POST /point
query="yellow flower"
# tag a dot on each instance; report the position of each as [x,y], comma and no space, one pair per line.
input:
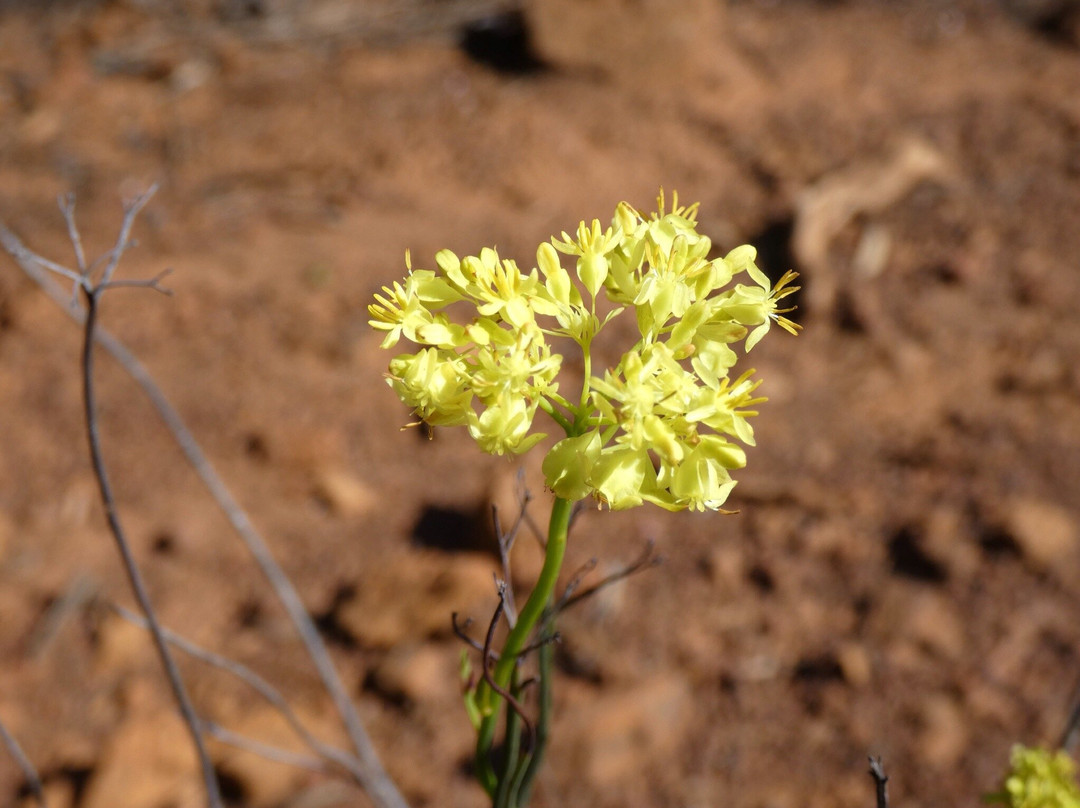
[659,426]
[622,477]
[591,246]
[504,427]
[757,305]
[1039,779]
[434,384]
[568,466]
[701,482]
[399,312]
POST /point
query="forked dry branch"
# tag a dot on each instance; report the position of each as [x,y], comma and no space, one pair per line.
[363,765]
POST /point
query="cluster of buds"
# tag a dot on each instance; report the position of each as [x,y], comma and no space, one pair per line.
[659,427]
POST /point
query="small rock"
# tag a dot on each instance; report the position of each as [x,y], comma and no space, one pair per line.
[344,494]
[59,793]
[933,622]
[415,673]
[150,761]
[942,537]
[991,703]
[644,722]
[854,664]
[758,668]
[725,565]
[121,645]
[944,735]
[264,781]
[414,601]
[1045,532]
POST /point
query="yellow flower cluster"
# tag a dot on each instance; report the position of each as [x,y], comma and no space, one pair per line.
[655,428]
[1039,779]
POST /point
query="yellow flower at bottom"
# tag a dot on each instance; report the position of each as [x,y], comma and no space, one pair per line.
[623,476]
[434,384]
[504,426]
[568,466]
[701,482]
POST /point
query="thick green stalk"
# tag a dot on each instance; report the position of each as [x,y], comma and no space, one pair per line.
[512,754]
[486,698]
[527,773]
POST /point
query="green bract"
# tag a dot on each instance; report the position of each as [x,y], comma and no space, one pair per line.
[658,427]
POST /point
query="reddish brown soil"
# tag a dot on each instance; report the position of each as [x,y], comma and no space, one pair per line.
[901,579]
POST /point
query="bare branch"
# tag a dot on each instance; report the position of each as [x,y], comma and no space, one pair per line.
[150,283]
[536,530]
[881,781]
[459,631]
[271,694]
[645,561]
[575,581]
[176,684]
[59,269]
[264,750]
[79,591]
[506,544]
[123,241]
[513,703]
[33,781]
[375,781]
[67,207]
[506,540]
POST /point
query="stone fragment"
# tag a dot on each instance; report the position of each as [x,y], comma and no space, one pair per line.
[121,644]
[59,793]
[944,735]
[625,727]
[932,620]
[854,664]
[150,761]
[416,673]
[417,600]
[263,781]
[1046,533]
[343,493]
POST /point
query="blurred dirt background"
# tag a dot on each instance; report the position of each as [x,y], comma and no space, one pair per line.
[901,579]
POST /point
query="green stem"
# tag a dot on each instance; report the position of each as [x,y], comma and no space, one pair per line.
[512,753]
[487,699]
[587,355]
[523,788]
[557,416]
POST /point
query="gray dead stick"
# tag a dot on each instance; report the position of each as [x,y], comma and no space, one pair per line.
[374,780]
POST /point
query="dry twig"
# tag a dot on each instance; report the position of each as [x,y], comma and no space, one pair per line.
[272,695]
[370,773]
[33,780]
[881,782]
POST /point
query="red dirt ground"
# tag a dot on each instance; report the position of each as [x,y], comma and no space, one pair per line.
[901,577]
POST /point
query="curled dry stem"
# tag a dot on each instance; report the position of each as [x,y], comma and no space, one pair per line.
[508,697]
[647,560]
